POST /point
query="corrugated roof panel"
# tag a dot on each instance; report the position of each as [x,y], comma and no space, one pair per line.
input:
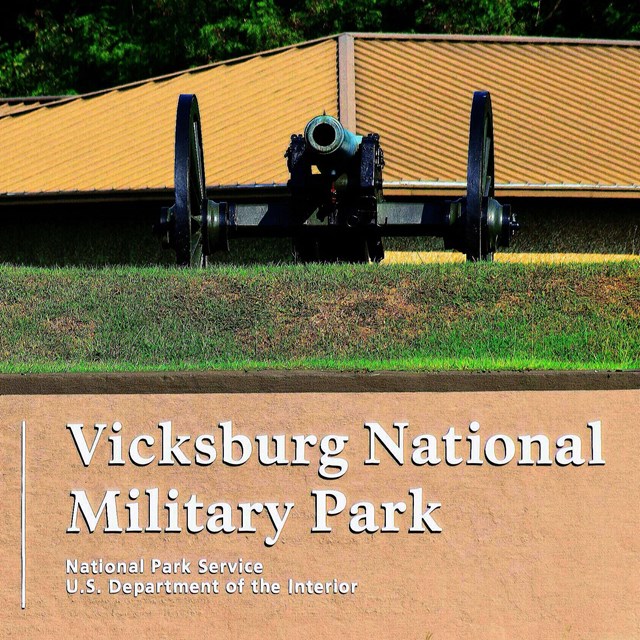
[566,117]
[124,139]
[563,113]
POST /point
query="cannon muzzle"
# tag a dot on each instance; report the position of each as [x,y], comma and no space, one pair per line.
[327,138]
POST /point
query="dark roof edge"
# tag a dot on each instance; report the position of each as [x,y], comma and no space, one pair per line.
[30,99]
[271,192]
[446,37]
[71,197]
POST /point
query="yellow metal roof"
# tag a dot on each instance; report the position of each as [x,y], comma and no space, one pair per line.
[123,139]
[566,116]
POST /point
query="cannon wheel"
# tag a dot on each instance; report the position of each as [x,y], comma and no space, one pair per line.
[480,179]
[189,181]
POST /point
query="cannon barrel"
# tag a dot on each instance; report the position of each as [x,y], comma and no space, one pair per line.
[326,138]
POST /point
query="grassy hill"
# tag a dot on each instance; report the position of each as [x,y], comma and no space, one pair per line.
[437,316]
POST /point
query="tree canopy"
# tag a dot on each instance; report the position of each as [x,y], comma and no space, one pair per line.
[75,46]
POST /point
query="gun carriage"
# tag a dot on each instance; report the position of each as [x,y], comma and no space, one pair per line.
[334,208]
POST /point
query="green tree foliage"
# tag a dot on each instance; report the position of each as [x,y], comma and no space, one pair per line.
[482,17]
[70,54]
[77,46]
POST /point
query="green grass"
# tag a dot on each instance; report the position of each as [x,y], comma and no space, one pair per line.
[349,317]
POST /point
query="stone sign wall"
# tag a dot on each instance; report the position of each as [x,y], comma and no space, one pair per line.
[281,505]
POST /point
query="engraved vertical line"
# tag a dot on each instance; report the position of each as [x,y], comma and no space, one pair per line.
[23,509]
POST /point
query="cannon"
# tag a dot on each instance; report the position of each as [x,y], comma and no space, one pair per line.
[334,208]
[334,211]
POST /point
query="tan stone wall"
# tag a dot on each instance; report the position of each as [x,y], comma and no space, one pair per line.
[526,552]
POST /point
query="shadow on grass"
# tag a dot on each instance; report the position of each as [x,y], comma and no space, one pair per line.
[106,234]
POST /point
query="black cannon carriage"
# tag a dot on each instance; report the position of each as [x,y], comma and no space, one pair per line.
[334,209]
